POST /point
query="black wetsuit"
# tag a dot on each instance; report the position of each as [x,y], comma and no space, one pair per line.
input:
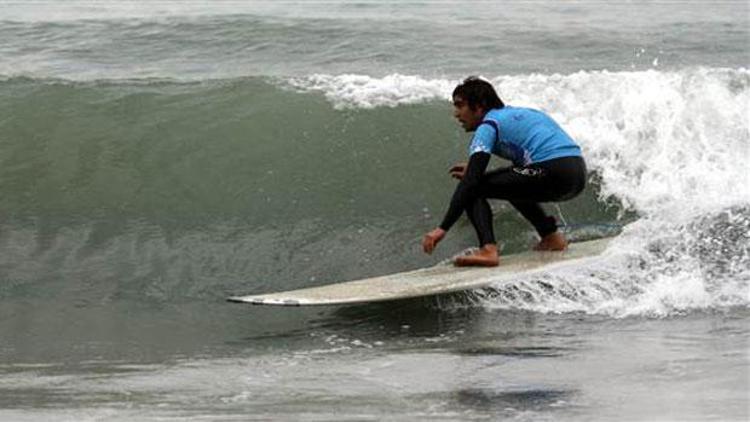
[555,180]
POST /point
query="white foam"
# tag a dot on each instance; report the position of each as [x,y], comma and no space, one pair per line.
[362,91]
[653,269]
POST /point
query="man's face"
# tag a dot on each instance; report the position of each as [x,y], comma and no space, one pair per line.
[468,117]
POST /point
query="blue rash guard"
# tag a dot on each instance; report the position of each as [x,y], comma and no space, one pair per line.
[522,135]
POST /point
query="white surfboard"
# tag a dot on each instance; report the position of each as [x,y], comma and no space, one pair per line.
[443,278]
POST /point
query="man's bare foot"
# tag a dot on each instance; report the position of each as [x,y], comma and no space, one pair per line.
[486,256]
[552,242]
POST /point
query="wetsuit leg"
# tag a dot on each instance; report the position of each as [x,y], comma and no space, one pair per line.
[480,215]
[535,214]
[555,180]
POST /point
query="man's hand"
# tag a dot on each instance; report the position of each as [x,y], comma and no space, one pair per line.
[431,239]
[458,170]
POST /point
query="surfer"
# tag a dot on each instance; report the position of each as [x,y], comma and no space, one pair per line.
[547,166]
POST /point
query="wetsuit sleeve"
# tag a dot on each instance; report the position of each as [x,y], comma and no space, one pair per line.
[466,189]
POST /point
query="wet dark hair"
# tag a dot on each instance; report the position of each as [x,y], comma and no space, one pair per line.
[478,93]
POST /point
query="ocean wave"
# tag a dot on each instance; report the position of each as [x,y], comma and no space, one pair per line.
[655,136]
[365,91]
[266,156]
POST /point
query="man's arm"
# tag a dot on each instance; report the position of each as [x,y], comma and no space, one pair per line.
[466,189]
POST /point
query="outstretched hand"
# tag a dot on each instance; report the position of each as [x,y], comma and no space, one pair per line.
[431,239]
[458,170]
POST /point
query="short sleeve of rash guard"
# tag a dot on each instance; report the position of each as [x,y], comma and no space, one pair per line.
[484,140]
